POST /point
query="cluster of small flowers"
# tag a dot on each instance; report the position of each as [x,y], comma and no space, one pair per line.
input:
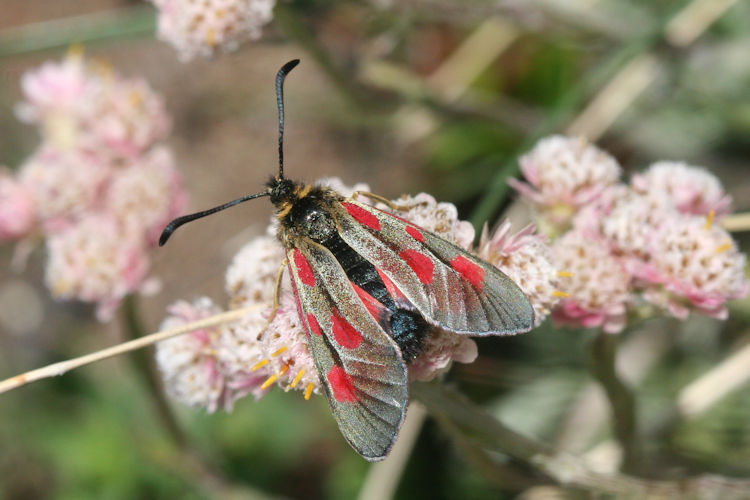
[101,185]
[212,369]
[206,27]
[656,241]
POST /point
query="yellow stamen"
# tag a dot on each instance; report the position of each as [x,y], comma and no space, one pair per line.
[260,365]
[297,379]
[270,380]
[566,274]
[279,351]
[283,370]
[710,219]
[560,294]
[308,391]
[723,248]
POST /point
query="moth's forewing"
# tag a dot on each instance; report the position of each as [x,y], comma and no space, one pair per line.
[450,287]
[360,366]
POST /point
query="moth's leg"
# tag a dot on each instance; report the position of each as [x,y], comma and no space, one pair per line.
[276,294]
[276,304]
[393,206]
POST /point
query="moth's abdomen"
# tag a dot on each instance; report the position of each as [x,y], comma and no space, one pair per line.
[405,325]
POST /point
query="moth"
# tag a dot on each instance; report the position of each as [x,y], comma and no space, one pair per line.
[369,286]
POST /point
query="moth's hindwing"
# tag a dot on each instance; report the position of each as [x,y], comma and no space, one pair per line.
[360,366]
[450,287]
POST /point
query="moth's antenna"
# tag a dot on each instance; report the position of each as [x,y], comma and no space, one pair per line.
[172,226]
[280,76]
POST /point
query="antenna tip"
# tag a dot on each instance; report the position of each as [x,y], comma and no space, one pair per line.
[289,66]
[166,234]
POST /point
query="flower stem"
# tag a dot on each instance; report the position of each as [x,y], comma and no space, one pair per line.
[569,470]
[503,475]
[143,362]
[383,477]
[622,402]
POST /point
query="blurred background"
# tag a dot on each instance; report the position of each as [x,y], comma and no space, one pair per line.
[439,96]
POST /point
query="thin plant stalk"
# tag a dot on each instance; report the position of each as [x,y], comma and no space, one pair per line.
[59,368]
[143,363]
[383,478]
[603,357]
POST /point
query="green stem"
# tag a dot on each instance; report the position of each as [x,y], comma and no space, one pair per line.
[503,475]
[143,362]
[475,423]
[115,24]
[621,398]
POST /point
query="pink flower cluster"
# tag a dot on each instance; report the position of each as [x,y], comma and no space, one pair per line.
[100,187]
[656,241]
[250,356]
[206,27]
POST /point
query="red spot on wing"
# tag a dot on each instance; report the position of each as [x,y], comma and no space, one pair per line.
[415,233]
[314,325]
[471,271]
[393,290]
[304,269]
[344,333]
[375,308]
[341,385]
[420,264]
[363,216]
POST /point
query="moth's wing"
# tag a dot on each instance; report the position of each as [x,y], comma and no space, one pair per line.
[450,287]
[360,366]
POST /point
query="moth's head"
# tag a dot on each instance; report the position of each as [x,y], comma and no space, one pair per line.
[283,191]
